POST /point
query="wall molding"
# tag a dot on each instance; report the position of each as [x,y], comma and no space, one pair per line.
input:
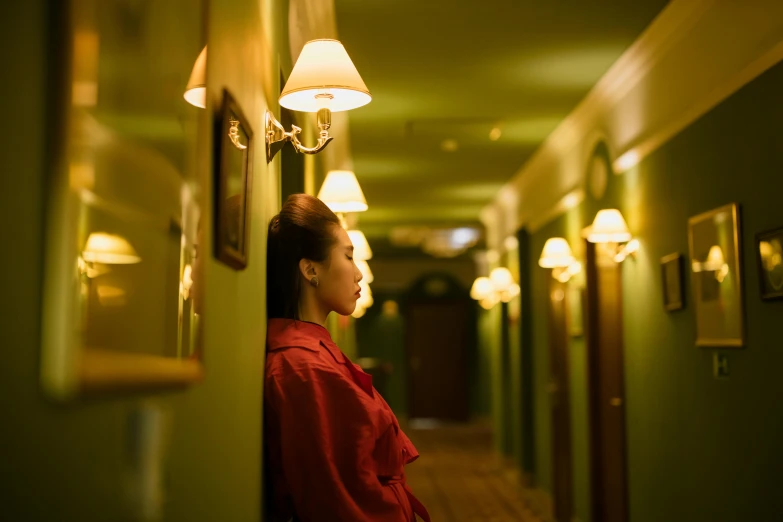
[694,55]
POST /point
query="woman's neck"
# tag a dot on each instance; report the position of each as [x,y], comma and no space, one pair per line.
[310,311]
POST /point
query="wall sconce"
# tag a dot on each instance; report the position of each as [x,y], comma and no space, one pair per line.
[324,80]
[196,90]
[341,193]
[361,248]
[364,268]
[557,256]
[498,287]
[365,301]
[609,229]
[715,263]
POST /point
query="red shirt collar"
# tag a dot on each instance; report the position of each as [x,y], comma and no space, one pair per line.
[284,333]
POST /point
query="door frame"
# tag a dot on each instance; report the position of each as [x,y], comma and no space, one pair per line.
[593,371]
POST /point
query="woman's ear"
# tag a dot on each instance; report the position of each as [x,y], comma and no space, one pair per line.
[307,269]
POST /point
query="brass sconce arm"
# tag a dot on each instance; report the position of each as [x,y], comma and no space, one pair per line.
[276,135]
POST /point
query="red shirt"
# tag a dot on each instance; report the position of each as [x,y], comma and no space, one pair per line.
[336,450]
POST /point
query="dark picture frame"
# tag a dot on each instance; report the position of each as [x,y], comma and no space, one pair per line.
[716,277]
[672,282]
[234,146]
[769,259]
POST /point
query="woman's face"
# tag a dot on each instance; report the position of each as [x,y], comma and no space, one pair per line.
[339,278]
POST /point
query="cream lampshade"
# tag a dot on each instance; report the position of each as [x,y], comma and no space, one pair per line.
[196,90]
[556,254]
[364,268]
[609,227]
[109,249]
[482,288]
[361,248]
[324,71]
[341,192]
[501,279]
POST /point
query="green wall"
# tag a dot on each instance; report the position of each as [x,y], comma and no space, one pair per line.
[76,461]
[699,448]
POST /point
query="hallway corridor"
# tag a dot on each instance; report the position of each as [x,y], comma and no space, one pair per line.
[459,478]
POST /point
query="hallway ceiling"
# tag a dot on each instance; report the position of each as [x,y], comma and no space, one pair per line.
[455,70]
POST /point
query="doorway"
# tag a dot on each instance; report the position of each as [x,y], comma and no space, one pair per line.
[438,332]
[606,377]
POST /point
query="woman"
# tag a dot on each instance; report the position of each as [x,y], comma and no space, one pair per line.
[336,451]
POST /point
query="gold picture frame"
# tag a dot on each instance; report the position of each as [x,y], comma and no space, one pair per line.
[716,277]
[672,283]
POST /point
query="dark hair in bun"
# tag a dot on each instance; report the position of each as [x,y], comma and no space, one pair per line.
[302,230]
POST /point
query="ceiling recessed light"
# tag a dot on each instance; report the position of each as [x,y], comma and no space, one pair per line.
[449,145]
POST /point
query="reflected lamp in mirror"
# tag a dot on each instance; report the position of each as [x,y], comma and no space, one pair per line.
[361,248]
[196,90]
[341,192]
[324,80]
[609,229]
[104,249]
[715,262]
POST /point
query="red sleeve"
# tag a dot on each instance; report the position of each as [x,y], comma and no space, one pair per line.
[326,439]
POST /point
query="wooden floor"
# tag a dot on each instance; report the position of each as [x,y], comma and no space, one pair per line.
[459,478]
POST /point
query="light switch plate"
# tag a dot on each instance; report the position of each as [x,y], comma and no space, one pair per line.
[720,365]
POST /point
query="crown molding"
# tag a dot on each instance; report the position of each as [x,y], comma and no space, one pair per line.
[694,55]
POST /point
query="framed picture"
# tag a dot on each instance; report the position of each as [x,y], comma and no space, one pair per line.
[716,275]
[672,282]
[769,255]
[123,292]
[233,183]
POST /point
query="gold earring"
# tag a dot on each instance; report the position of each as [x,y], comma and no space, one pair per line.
[314,281]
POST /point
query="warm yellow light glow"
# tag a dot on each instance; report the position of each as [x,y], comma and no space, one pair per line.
[196,90]
[449,145]
[511,243]
[109,249]
[341,192]
[715,259]
[501,278]
[556,254]
[626,162]
[571,200]
[489,302]
[364,268]
[495,133]
[365,300]
[482,288]
[361,248]
[391,308]
[609,227]
[324,68]
[110,295]
[187,282]
[512,291]
[359,312]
